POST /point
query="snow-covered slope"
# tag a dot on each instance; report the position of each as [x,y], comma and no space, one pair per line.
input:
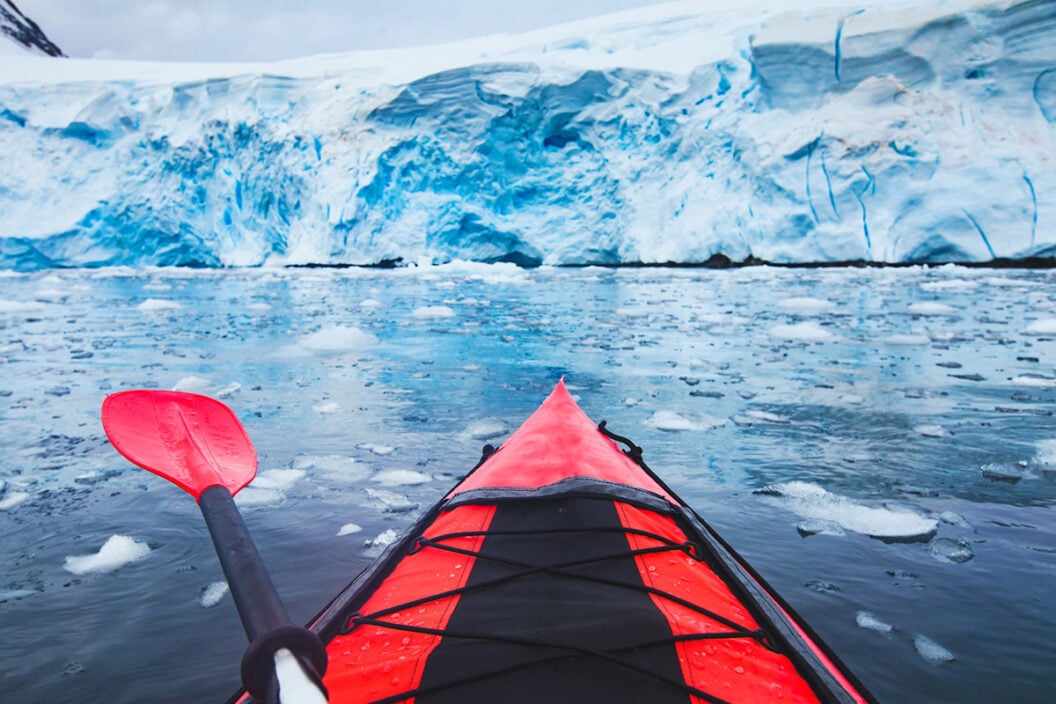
[669,133]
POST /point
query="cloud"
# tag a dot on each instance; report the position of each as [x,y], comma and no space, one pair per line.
[268,30]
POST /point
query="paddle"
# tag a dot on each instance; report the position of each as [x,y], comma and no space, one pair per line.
[198,444]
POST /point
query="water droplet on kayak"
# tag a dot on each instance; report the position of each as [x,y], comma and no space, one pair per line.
[406,641]
[652,568]
[739,670]
[366,647]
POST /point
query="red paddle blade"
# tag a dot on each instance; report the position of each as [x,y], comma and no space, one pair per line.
[193,441]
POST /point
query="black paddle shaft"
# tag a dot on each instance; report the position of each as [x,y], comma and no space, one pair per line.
[263,616]
[251,587]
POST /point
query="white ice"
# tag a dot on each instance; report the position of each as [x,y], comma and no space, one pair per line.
[931,651]
[116,552]
[871,622]
[401,477]
[812,501]
[801,332]
[349,529]
[338,338]
[211,595]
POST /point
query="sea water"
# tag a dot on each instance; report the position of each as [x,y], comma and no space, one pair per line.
[878,443]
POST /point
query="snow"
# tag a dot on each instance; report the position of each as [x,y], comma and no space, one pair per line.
[116,552]
[672,133]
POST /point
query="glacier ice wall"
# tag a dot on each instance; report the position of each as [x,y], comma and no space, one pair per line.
[843,135]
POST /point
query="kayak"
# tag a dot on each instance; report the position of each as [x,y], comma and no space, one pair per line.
[562,569]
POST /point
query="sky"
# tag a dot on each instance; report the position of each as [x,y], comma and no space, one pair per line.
[270,30]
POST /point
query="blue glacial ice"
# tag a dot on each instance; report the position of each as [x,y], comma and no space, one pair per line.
[667,134]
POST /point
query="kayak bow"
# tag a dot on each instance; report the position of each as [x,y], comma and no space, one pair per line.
[562,569]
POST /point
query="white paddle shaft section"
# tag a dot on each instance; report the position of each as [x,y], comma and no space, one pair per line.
[295,687]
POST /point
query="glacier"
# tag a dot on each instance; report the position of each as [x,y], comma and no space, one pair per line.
[670,134]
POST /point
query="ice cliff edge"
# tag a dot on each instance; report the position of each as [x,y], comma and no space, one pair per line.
[662,135]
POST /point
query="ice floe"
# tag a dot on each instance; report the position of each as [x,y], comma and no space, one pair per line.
[1042,327]
[116,552]
[931,651]
[671,421]
[349,529]
[336,468]
[12,499]
[194,384]
[433,312]
[872,623]
[327,407]
[211,595]
[932,308]
[7,306]
[401,477]
[951,550]
[338,338]
[810,501]
[487,429]
[801,332]
[158,304]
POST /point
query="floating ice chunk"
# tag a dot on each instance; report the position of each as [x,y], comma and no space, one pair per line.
[192,384]
[630,402]
[1003,472]
[486,429]
[821,586]
[390,501]
[931,651]
[376,448]
[431,312]
[673,422]
[12,594]
[801,332]
[117,551]
[871,622]
[813,502]
[7,306]
[230,390]
[349,529]
[1046,453]
[278,479]
[211,595]
[908,338]
[931,431]
[334,467]
[1034,381]
[932,308]
[13,499]
[384,539]
[950,285]
[806,306]
[758,416]
[401,477]
[327,407]
[158,304]
[370,304]
[259,307]
[1042,327]
[950,550]
[819,526]
[338,338]
[953,519]
[256,496]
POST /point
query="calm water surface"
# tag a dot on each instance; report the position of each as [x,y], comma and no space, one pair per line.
[878,443]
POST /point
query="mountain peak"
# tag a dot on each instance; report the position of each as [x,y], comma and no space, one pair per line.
[24,31]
